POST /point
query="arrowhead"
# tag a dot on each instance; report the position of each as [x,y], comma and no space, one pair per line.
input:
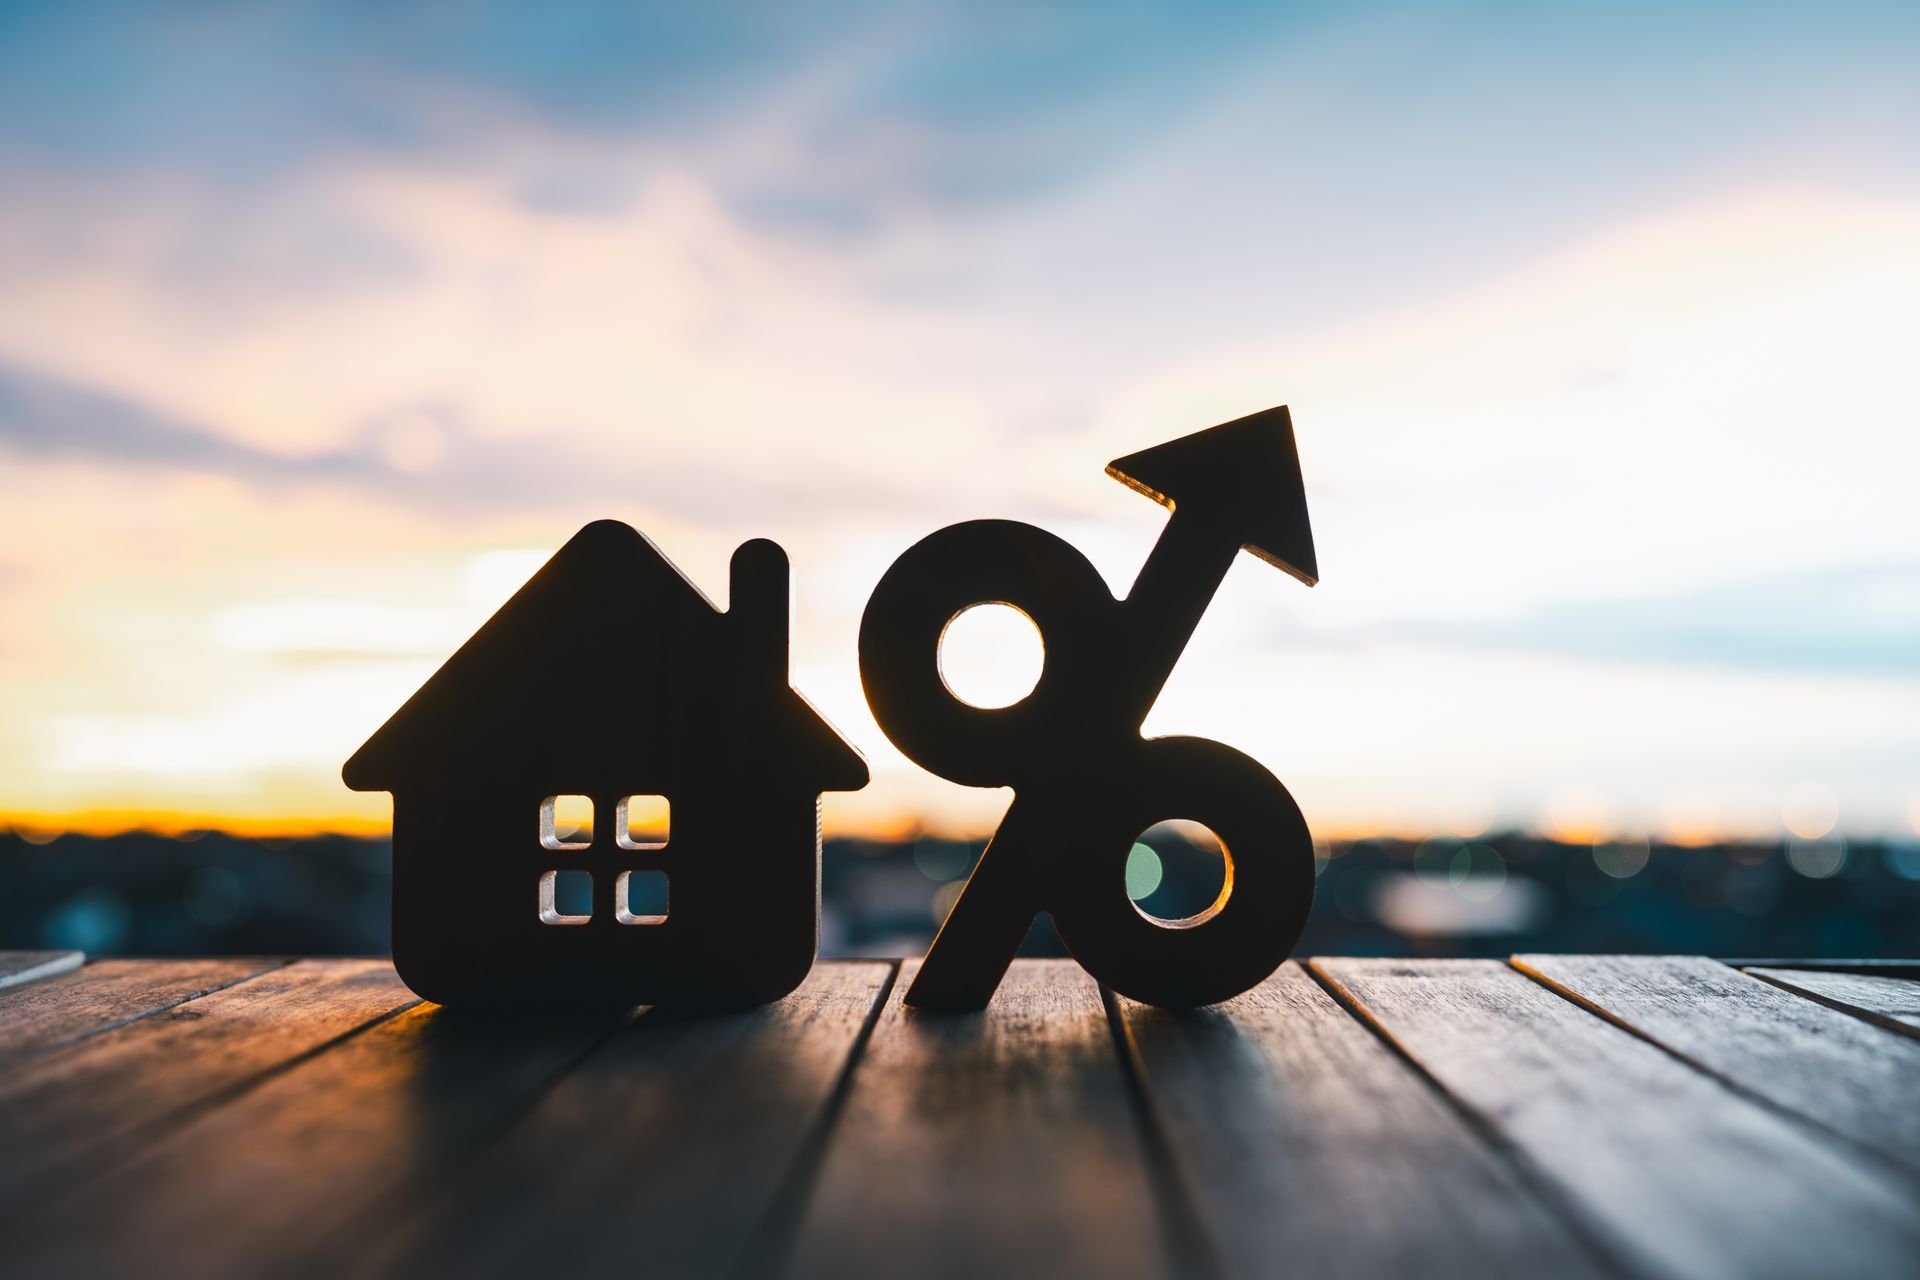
[1245,474]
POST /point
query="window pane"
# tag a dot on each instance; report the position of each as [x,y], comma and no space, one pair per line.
[641,898]
[643,822]
[566,897]
[566,822]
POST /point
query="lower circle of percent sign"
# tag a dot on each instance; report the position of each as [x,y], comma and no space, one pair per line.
[1086,783]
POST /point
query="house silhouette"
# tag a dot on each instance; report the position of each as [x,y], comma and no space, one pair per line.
[608,676]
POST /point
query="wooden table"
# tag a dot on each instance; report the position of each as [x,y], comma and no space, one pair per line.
[1566,1116]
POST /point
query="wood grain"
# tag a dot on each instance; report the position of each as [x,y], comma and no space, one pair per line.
[1848,1076]
[307,1121]
[1679,1175]
[70,1114]
[107,993]
[989,1143]
[1311,1148]
[286,1180]
[20,967]
[664,1152]
[1892,1002]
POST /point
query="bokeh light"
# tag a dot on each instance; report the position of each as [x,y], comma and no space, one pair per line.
[1434,861]
[1479,873]
[1810,810]
[1621,859]
[1691,815]
[1144,872]
[1468,811]
[1577,812]
[943,899]
[1181,866]
[940,859]
[1817,857]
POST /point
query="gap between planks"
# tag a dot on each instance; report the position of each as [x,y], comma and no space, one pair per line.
[65,1008]
[783,1217]
[1684,1176]
[991,1142]
[1885,1000]
[1301,1133]
[85,1107]
[671,1144]
[1843,1075]
[1191,1248]
[287,1179]
[769,1249]
[343,1152]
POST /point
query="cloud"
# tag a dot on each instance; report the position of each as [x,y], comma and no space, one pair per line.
[1855,621]
[1587,428]
[453,470]
[943,101]
[45,418]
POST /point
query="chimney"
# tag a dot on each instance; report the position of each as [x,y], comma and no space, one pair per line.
[760,610]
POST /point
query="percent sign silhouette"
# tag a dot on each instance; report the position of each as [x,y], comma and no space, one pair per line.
[1086,783]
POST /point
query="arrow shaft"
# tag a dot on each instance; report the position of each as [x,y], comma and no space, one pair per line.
[1168,599]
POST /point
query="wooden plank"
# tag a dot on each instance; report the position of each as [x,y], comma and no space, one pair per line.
[990,1143]
[1677,1173]
[666,1151]
[1310,1148]
[70,1114]
[287,1179]
[1894,1003]
[1886,968]
[1852,1078]
[20,967]
[106,994]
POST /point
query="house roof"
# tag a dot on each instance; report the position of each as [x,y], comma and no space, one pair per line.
[607,651]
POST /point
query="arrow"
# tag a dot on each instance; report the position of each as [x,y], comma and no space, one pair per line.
[1231,486]
[1246,474]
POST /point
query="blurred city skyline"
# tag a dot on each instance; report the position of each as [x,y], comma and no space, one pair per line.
[326,324]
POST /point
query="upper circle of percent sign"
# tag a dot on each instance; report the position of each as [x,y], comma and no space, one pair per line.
[1085,781]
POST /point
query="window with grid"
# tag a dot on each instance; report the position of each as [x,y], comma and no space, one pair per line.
[641,824]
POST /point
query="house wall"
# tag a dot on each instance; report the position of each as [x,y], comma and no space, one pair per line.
[742,924]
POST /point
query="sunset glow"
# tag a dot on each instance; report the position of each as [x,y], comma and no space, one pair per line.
[1610,446]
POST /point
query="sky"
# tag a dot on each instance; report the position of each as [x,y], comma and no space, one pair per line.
[323,324]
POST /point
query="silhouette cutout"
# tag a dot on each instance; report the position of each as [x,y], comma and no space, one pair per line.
[610,795]
[1085,782]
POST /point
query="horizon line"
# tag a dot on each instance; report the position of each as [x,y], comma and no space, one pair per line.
[39,828]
